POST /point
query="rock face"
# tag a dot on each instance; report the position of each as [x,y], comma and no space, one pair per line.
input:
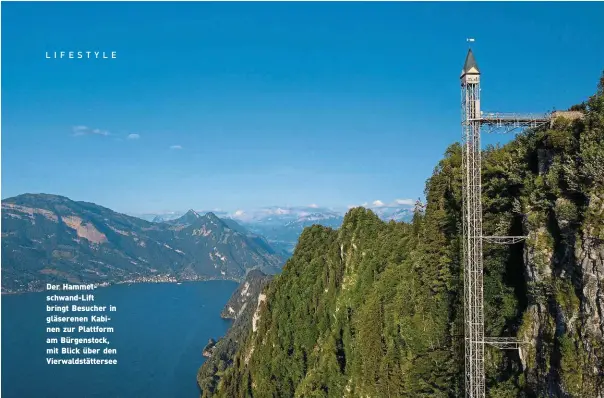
[52,239]
[564,264]
[208,350]
[245,294]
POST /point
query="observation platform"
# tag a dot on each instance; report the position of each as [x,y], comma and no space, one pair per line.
[500,119]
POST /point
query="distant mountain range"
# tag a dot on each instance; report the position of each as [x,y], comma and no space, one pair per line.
[49,238]
[282,226]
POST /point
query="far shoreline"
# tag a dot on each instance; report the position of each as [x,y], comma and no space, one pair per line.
[236,280]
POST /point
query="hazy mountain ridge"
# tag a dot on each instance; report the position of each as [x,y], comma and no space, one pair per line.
[50,238]
[288,214]
[282,225]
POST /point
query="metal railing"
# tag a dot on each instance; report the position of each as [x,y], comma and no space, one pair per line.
[510,116]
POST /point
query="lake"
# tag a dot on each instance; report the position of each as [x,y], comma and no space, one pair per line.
[160,330]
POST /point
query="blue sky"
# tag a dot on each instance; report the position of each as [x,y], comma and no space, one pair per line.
[270,103]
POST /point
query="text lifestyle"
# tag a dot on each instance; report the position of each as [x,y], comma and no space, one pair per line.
[81,54]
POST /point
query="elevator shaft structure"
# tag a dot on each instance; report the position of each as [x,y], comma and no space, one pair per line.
[472,229]
[473,120]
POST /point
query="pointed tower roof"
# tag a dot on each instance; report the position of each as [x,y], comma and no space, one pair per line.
[470,66]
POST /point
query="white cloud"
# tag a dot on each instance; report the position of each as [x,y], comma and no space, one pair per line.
[378,203]
[85,130]
[281,211]
[405,202]
[175,147]
[397,203]
[239,213]
[314,206]
[133,136]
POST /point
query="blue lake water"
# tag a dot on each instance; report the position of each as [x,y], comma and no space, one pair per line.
[160,332]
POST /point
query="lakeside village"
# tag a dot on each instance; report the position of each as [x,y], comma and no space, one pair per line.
[40,286]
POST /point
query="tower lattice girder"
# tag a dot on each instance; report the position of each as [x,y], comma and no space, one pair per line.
[472,122]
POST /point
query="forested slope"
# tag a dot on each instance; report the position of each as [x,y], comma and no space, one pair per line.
[241,308]
[374,309]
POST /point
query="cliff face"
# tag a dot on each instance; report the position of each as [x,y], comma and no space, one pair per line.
[564,260]
[242,307]
[245,294]
[375,309]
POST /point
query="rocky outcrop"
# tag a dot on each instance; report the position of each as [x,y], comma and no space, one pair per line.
[589,253]
[208,350]
[564,269]
[256,317]
[569,115]
[242,308]
[245,295]
[590,258]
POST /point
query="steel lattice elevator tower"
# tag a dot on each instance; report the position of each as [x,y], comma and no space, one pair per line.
[473,120]
[472,229]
